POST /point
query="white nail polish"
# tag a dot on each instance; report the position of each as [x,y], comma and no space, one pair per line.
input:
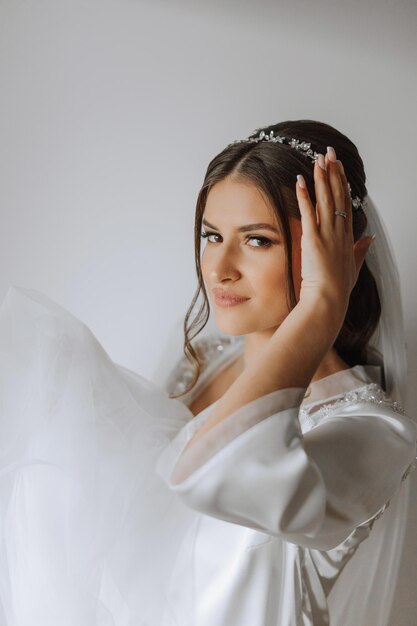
[301,181]
[331,154]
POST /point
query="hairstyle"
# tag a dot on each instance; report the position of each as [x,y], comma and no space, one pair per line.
[273,168]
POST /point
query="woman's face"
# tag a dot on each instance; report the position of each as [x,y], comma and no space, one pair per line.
[249,263]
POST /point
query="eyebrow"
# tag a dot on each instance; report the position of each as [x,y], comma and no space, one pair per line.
[247,227]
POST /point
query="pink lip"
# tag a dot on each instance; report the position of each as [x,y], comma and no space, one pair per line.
[222,298]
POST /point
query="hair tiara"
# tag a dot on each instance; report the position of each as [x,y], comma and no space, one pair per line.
[303,147]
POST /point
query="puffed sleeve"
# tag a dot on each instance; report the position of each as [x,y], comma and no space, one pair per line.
[257,469]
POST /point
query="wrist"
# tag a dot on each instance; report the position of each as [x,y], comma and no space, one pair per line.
[325,315]
[300,343]
[325,305]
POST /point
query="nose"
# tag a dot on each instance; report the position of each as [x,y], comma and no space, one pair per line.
[223,268]
[221,278]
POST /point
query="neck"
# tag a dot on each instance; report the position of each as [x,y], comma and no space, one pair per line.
[330,364]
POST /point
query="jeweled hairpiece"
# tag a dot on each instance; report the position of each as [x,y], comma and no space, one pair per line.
[303,147]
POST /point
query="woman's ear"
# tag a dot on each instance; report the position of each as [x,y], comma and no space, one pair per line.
[361,248]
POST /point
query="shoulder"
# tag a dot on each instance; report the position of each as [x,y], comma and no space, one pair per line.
[370,394]
[371,416]
[368,401]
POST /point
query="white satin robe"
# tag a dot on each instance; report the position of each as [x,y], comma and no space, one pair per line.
[287,491]
[276,500]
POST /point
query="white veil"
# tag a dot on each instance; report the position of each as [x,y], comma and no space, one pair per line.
[390,338]
[364,591]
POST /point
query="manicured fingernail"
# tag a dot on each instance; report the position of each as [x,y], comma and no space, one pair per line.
[321,162]
[341,168]
[331,154]
[301,181]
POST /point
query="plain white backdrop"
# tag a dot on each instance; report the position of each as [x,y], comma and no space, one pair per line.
[112,110]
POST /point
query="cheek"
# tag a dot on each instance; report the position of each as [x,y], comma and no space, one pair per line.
[205,267]
[270,282]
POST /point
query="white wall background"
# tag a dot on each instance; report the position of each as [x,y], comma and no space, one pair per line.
[111,110]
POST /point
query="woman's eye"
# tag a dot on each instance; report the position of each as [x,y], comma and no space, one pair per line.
[264,241]
[205,235]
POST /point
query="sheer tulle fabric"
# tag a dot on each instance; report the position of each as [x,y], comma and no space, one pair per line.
[389,338]
[88,531]
[366,597]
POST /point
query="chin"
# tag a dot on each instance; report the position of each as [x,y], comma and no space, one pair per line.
[234,325]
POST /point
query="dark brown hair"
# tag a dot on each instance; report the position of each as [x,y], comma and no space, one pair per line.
[273,168]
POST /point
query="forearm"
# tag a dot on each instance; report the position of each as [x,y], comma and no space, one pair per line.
[289,359]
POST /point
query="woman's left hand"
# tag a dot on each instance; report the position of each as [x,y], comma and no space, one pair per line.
[330,259]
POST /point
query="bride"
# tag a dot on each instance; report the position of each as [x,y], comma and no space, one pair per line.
[262,480]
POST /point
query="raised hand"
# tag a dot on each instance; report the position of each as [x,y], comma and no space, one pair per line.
[330,259]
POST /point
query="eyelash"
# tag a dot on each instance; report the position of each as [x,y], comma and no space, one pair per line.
[266,242]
